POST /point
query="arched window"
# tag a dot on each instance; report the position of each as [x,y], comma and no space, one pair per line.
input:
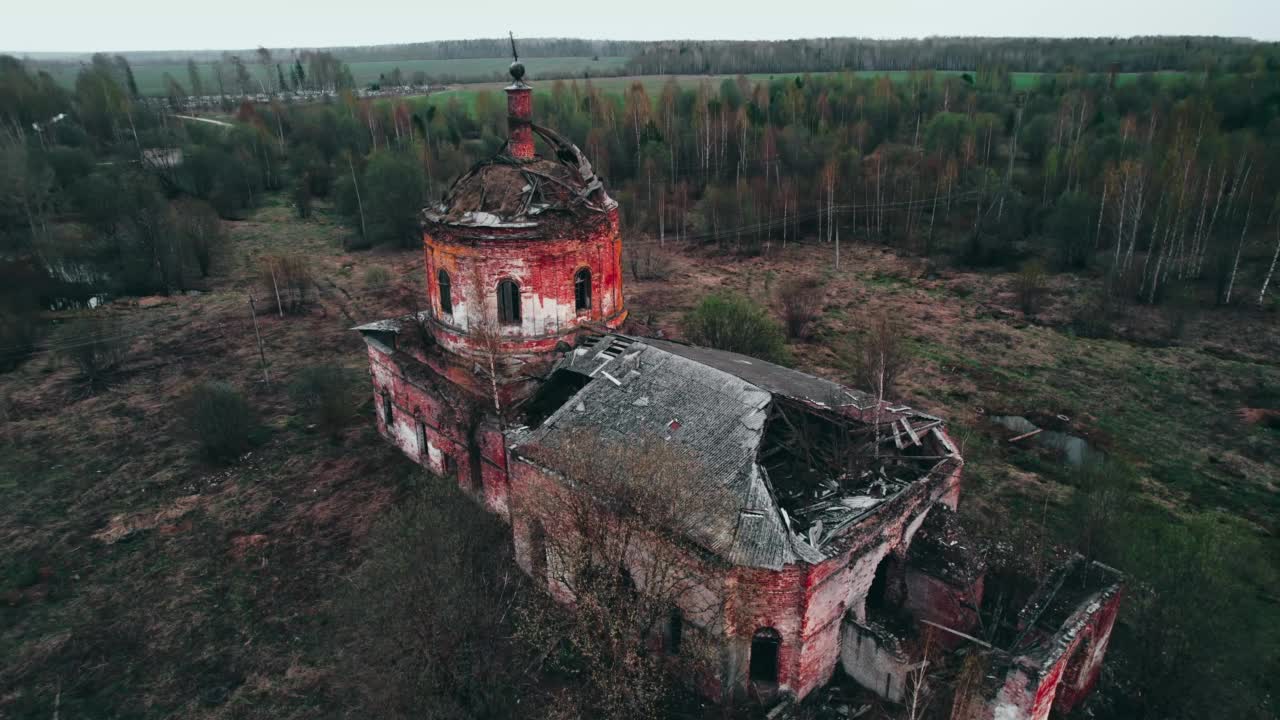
[388,411]
[764,655]
[582,289]
[508,302]
[446,292]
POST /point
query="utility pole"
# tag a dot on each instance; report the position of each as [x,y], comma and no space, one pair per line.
[271,263]
[262,355]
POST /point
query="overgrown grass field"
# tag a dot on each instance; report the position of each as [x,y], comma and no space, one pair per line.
[150,76]
[139,580]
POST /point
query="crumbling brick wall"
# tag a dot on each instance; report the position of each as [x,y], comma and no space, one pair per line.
[1058,673]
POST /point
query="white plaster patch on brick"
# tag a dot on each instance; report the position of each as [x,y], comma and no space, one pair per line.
[435,458]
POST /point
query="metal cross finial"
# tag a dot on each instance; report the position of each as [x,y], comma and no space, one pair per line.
[516,69]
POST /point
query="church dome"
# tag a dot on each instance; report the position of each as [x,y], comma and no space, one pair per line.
[505,191]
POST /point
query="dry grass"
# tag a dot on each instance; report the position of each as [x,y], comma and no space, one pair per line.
[137,579]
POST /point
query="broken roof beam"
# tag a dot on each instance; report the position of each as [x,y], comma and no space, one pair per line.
[911,432]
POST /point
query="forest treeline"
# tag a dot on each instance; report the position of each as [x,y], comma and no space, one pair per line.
[1135,54]
[1165,186]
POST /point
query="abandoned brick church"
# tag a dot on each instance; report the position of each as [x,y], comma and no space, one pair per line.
[811,561]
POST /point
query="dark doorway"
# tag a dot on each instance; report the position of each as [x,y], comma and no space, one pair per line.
[675,631]
[764,655]
[474,460]
[878,594]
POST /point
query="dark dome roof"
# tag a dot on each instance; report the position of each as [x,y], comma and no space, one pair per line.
[507,191]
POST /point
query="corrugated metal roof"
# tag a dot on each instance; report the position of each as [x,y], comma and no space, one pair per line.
[641,391]
[714,404]
[768,376]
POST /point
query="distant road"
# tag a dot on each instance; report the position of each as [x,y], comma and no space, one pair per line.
[204,120]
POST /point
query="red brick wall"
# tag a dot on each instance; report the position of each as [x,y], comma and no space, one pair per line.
[427,430]
[519,111]
[929,598]
[544,267]
[1084,664]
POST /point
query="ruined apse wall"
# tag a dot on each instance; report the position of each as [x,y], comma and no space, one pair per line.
[839,586]
[1059,673]
[543,260]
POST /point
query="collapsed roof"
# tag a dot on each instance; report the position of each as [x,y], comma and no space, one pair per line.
[732,412]
[508,192]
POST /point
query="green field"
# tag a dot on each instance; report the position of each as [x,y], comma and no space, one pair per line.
[480,74]
[467,92]
[150,77]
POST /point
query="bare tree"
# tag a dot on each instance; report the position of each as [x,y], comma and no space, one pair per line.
[264,59]
[917,678]
[489,364]
[202,232]
[194,80]
[1262,294]
[611,543]
[288,278]
[879,357]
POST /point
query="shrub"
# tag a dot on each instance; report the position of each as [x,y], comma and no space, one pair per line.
[800,300]
[221,420]
[302,198]
[1032,283]
[18,333]
[735,323]
[326,395]
[1180,306]
[879,357]
[201,229]
[377,277]
[1071,226]
[440,645]
[96,347]
[648,262]
[21,284]
[1094,317]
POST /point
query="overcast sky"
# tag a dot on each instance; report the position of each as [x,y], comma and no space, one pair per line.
[92,25]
